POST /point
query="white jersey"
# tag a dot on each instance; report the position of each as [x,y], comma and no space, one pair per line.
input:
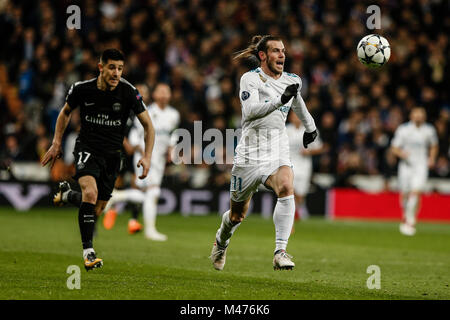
[264,137]
[165,121]
[416,142]
[302,164]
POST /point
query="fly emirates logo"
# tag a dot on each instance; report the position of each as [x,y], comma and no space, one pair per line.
[103,119]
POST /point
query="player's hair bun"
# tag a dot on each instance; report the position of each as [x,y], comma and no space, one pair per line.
[258,43]
[256,39]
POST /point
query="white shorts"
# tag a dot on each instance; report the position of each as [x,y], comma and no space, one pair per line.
[412,178]
[155,174]
[245,180]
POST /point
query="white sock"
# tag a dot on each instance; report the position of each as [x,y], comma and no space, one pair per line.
[226,230]
[403,202]
[149,209]
[304,213]
[132,195]
[283,218]
[135,195]
[87,251]
[411,209]
[119,207]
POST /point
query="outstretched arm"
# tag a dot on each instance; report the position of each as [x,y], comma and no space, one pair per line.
[397,142]
[299,107]
[149,138]
[55,151]
[434,149]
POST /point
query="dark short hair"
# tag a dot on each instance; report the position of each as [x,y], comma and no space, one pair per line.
[111,54]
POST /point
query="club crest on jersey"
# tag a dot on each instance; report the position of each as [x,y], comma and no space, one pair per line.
[285,109]
[116,107]
[245,95]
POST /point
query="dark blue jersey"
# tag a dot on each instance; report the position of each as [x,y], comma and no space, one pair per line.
[104,114]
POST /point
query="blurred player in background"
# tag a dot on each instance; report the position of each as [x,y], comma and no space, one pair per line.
[105,104]
[127,189]
[165,119]
[415,143]
[301,159]
[262,154]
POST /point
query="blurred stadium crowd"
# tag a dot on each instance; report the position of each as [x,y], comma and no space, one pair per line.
[190,44]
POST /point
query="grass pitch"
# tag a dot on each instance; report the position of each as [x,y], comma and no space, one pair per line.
[331,260]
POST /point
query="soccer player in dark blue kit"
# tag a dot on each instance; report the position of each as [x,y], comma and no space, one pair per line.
[105,104]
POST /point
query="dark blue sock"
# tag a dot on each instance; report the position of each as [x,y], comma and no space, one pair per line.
[86,221]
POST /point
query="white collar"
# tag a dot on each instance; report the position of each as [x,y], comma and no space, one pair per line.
[269,77]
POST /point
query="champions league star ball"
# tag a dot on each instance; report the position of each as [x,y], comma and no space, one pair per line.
[373,51]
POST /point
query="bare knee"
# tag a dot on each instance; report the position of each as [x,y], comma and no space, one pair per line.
[236,218]
[285,188]
[414,194]
[281,182]
[89,194]
[238,211]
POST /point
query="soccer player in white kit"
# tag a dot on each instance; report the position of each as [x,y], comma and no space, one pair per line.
[262,154]
[166,119]
[415,143]
[301,159]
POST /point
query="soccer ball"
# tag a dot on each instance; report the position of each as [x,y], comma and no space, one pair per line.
[373,51]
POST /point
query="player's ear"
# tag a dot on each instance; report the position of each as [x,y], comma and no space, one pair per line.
[100,66]
[262,55]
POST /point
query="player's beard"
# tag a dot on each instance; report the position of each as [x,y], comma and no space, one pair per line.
[108,83]
[272,67]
